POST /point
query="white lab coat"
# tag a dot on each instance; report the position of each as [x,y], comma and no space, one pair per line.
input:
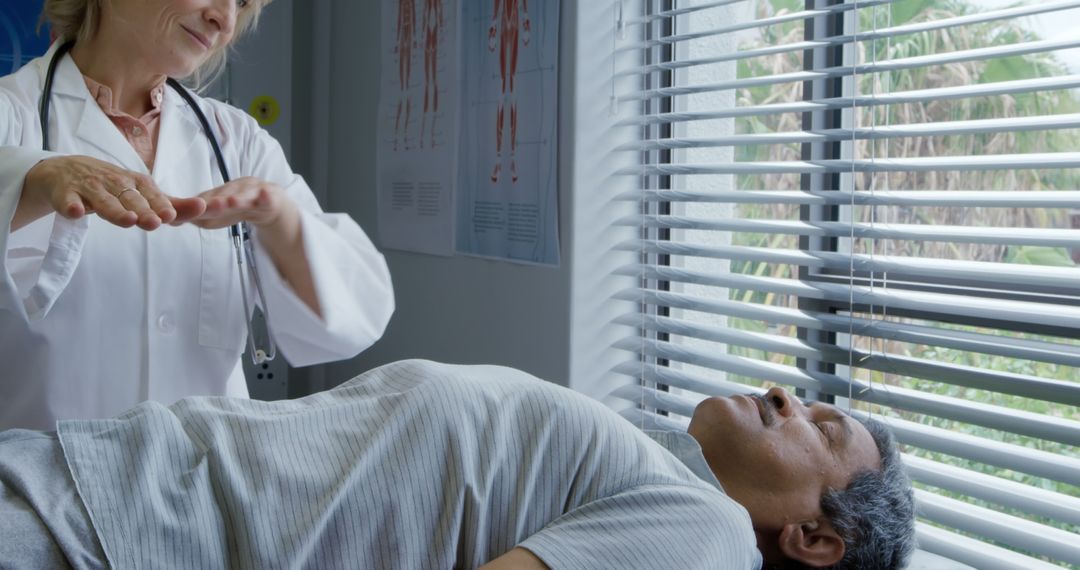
[95,318]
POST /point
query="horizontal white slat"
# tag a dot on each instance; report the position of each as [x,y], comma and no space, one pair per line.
[769,343]
[731,56]
[1002,382]
[1014,87]
[997,275]
[1013,531]
[1024,385]
[657,399]
[942,128]
[1041,351]
[912,232]
[862,36]
[706,386]
[650,421]
[743,83]
[665,14]
[1035,8]
[976,342]
[983,17]
[1025,498]
[646,119]
[975,553]
[752,24]
[900,64]
[1050,160]
[1032,424]
[1044,314]
[1023,459]
[974,54]
[934,198]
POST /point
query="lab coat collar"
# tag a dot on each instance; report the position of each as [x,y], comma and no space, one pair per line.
[180,131]
[179,127]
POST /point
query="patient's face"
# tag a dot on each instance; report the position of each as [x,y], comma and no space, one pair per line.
[776,456]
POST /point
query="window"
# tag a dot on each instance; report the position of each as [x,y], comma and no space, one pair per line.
[876,204]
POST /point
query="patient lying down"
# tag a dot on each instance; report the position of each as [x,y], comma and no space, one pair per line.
[425,465]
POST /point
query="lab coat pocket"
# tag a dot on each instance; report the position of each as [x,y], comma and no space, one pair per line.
[222,322]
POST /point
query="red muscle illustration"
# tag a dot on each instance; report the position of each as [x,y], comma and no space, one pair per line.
[433,21]
[406,40]
[508,25]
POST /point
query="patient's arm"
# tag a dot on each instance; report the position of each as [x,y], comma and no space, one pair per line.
[516,559]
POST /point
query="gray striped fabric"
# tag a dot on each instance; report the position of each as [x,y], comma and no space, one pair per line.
[412,465]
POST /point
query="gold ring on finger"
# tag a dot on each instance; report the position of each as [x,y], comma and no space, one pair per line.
[129,189]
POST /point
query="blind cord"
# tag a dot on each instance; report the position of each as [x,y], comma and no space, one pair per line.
[643,206]
[851,207]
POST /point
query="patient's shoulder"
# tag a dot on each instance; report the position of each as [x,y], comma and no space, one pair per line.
[406,375]
[397,376]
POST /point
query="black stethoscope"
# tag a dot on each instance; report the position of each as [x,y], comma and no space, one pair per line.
[239,231]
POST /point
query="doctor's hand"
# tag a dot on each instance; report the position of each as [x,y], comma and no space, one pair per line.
[74,186]
[262,204]
[277,223]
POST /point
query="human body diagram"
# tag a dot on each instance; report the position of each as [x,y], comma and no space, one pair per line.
[432,23]
[509,24]
[406,40]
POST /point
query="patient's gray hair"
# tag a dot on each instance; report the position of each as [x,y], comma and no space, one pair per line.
[79,20]
[875,514]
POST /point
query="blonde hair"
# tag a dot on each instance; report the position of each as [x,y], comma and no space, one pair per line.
[79,20]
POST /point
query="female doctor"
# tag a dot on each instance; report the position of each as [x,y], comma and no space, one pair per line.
[118,280]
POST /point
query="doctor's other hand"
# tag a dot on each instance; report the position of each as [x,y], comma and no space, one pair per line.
[277,221]
[73,186]
[258,202]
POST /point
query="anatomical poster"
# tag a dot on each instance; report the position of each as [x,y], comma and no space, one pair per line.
[507,202]
[418,136]
[467,128]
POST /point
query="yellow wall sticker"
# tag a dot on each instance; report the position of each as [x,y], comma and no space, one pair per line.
[265,109]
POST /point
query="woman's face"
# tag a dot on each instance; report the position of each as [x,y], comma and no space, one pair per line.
[170,37]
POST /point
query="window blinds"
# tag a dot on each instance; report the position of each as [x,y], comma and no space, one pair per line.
[875,203]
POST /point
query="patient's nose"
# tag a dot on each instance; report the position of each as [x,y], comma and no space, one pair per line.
[781,401]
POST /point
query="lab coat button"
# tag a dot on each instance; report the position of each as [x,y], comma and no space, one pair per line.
[166,323]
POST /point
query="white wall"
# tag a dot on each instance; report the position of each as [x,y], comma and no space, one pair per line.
[551,322]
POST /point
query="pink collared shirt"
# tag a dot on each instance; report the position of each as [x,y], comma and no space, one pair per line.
[141,132]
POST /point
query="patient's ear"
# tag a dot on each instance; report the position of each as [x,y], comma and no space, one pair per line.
[814,543]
